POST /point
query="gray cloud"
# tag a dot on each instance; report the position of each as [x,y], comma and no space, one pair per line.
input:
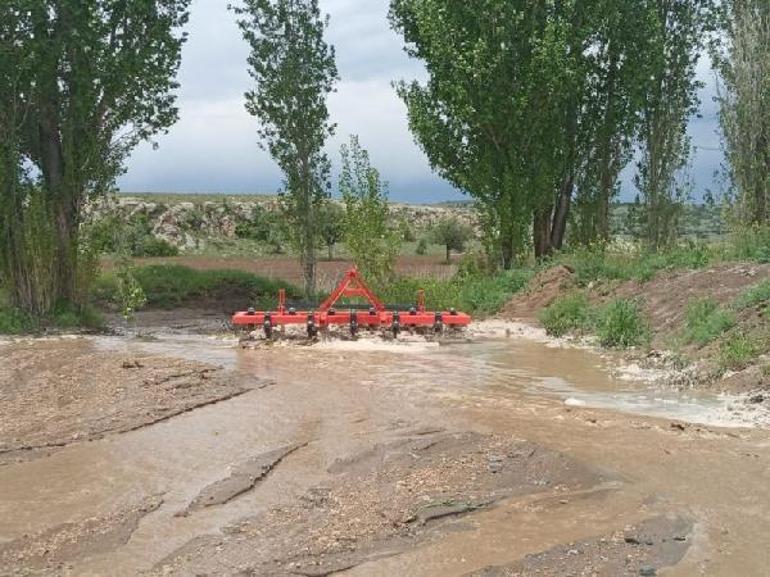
[214,147]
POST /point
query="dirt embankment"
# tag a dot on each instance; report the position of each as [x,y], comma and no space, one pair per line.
[664,301]
[69,392]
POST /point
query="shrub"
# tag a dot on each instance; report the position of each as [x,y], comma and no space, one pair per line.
[621,324]
[14,322]
[566,314]
[422,247]
[737,352]
[705,320]
[154,246]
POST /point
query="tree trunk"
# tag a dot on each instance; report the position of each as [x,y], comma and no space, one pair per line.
[541,230]
[563,203]
[448,254]
[63,206]
[331,251]
[506,250]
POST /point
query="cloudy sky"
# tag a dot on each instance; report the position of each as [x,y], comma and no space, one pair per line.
[214,147]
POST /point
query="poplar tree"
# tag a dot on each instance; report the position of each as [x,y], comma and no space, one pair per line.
[85,83]
[294,71]
[743,61]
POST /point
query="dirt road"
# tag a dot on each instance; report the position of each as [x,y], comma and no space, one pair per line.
[498,457]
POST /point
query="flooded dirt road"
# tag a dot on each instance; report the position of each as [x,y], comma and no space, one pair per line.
[497,457]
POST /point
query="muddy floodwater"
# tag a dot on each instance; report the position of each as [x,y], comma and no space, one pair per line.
[500,456]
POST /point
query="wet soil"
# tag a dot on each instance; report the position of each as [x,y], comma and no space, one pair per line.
[379,459]
[58,392]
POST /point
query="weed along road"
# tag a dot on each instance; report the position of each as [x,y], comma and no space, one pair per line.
[186,454]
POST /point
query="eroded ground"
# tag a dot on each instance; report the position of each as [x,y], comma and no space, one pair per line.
[171,456]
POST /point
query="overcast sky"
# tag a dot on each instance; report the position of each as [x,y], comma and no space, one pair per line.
[214,146]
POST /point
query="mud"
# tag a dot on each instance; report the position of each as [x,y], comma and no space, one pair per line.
[641,550]
[506,455]
[243,478]
[381,500]
[59,392]
[51,551]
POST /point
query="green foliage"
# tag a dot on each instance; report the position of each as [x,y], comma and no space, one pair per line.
[372,243]
[405,229]
[567,314]
[129,293]
[265,226]
[452,234]
[669,99]
[621,324]
[750,243]
[14,321]
[741,52]
[114,235]
[422,247]
[294,71]
[756,296]
[737,352]
[92,80]
[598,263]
[331,227]
[705,321]
[64,315]
[477,294]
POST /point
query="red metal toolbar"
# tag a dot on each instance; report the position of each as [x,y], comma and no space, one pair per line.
[378,316]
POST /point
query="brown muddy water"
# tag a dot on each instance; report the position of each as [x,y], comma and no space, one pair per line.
[628,453]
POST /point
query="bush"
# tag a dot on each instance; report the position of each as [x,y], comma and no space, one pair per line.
[112,235]
[422,247]
[737,352]
[154,246]
[566,315]
[621,324]
[14,322]
[705,320]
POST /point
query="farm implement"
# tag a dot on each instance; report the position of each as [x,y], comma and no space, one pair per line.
[373,316]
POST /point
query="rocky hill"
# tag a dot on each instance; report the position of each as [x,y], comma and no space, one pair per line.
[188,222]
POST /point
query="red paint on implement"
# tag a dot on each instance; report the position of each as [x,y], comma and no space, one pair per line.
[352,285]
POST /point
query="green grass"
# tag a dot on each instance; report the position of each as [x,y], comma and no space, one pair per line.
[737,352]
[756,296]
[567,314]
[14,321]
[593,264]
[621,324]
[705,321]
[169,286]
[476,294]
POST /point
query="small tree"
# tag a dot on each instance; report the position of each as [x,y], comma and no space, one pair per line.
[452,234]
[330,225]
[294,71]
[373,244]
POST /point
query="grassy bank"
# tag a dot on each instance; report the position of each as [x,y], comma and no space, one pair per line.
[171,286]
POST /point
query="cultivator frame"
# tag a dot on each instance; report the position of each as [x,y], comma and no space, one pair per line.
[378,315]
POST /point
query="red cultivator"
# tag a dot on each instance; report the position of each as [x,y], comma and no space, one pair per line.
[376,317]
